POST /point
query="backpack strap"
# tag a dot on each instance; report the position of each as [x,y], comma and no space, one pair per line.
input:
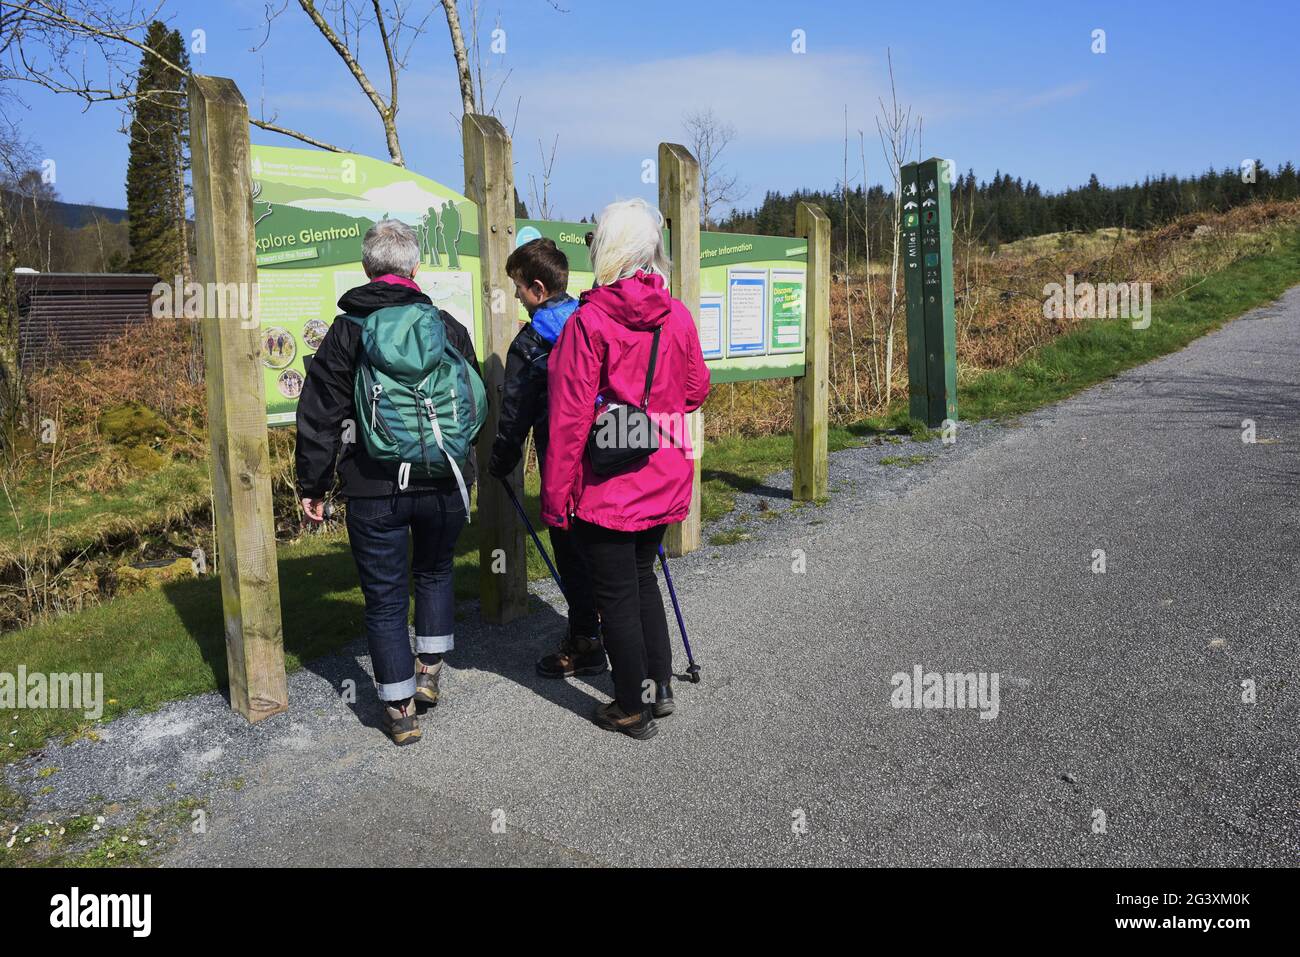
[437,438]
[650,371]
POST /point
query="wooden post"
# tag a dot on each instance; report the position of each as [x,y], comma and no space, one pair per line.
[679,201]
[811,394]
[241,474]
[489,182]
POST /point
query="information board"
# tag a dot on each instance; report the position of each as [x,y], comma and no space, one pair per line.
[746,312]
[786,330]
[312,209]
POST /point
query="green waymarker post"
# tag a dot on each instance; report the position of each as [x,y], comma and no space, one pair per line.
[918,401]
[933,397]
[936,276]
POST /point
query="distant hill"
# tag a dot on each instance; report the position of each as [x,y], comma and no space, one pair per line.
[76,215]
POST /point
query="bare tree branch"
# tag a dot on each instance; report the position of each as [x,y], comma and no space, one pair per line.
[39,46]
[707,135]
[462,57]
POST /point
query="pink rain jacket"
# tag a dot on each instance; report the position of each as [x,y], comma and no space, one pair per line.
[604,351]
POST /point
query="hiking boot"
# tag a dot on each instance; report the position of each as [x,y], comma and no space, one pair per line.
[663,705]
[426,683]
[578,655]
[613,718]
[400,722]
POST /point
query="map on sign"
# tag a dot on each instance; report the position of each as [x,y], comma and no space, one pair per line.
[311,211]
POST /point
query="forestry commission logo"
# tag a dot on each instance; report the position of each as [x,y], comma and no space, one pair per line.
[74,910]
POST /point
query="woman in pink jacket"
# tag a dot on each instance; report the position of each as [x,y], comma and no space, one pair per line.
[601,359]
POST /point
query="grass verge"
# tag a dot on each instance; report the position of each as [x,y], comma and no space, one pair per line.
[1105,348]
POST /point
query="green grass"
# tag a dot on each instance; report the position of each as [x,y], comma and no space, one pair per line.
[729,537]
[734,465]
[83,517]
[1104,348]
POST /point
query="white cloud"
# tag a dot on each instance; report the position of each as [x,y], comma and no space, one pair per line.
[779,98]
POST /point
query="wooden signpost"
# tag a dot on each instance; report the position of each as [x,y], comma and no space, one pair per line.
[811,390]
[679,201]
[489,183]
[241,474]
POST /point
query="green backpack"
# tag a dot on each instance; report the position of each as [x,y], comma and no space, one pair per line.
[419,402]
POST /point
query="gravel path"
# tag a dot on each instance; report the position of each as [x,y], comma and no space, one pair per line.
[1120,698]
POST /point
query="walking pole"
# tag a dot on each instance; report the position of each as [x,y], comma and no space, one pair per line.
[693,672]
[536,541]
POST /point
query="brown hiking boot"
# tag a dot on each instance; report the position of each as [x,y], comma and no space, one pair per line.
[426,683]
[400,722]
[613,718]
[578,655]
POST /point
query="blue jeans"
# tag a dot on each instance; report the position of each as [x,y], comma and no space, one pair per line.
[380,531]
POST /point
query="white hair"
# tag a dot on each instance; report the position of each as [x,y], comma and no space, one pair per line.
[390,246]
[629,236]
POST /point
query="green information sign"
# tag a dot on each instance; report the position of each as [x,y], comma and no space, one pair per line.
[312,208]
[787,310]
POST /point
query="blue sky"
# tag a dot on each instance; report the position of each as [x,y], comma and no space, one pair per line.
[1010,86]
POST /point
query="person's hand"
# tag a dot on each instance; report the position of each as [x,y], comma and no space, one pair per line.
[315,509]
[503,461]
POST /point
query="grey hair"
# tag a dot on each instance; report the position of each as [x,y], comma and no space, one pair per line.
[629,236]
[390,246]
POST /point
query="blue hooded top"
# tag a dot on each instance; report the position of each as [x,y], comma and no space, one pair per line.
[550,318]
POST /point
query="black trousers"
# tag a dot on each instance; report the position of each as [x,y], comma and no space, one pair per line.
[577,584]
[622,570]
[569,562]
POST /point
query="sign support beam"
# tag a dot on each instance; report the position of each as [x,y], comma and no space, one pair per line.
[489,183]
[241,461]
[812,390]
[679,201]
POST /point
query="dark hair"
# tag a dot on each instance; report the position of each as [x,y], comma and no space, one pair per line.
[540,260]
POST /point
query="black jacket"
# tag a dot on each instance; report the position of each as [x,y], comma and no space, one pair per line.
[326,402]
[523,394]
[523,402]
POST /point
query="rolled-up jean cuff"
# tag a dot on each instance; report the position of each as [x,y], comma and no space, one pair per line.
[434,645]
[397,691]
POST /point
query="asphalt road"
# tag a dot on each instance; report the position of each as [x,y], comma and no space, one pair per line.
[1120,693]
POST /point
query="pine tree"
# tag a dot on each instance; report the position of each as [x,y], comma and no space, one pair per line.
[155,174]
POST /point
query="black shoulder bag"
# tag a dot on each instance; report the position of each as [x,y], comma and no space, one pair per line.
[624,435]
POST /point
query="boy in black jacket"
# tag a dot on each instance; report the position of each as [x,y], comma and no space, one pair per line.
[541,273]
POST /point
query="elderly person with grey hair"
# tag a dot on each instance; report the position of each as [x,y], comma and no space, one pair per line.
[388,508]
